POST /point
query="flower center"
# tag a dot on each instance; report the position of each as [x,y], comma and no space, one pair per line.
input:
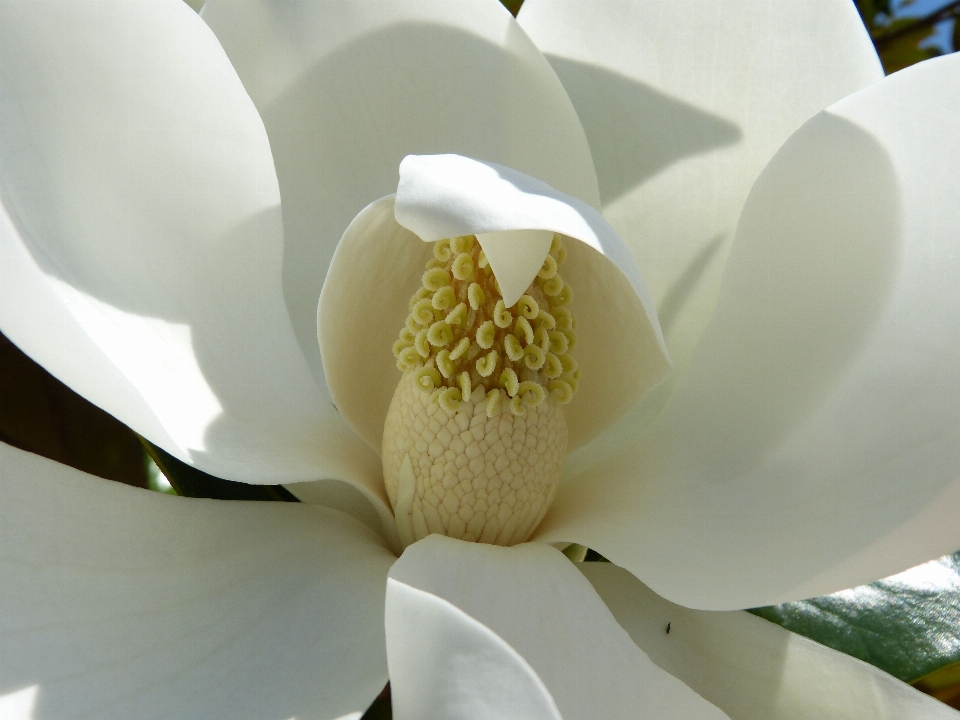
[475,438]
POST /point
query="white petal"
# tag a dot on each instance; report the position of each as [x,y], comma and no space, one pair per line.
[362,307]
[445,664]
[683,104]
[531,599]
[751,668]
[813,442]
[142,242]
[123,603]
[378,265]
[348,89]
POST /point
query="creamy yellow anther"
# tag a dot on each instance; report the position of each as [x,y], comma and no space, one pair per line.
[548,269]
[460,349]
[552,367]
[533,357]
[487,364]
[531,393]
[422,312]
[523,330]
[421,343]
[546,320]
[463,267]
[528,307]
[455,460]
[562,298]
[450,399]
[542,338]
[465,385]
[564,319]
[493,403]
[462,244]
[553,286]
[440,334]
[558,342]
[435,278]
[457,315]
[428,378]
[441,250]
[445,364]
[571,339]
[475,296]
[501,316]
[513,348]
[408,359]
[560,391]
[443,299]
[486,334]
[509,381]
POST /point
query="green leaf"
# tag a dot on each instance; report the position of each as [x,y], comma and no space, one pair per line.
[906,624]
[190,482]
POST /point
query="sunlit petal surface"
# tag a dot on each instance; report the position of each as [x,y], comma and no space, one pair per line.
[813,441]
[124,603]
[142,242]
[348,89]
[530,599]
[684,103]
[753,669]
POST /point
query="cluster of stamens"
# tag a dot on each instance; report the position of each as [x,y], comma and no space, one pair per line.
[459,336]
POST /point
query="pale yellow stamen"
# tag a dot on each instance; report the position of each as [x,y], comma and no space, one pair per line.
[443,299]
[486,334]
[549,268]
[522,329]
[463,267]
[435,278]
[528,307]
[457,315]
[488,363]
[460,457]
[509,381]
[513,347]
[475,296]
[501,316]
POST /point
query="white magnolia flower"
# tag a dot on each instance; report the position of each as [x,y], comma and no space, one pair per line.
[804,263]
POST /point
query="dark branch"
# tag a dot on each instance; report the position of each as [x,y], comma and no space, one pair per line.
[948,11]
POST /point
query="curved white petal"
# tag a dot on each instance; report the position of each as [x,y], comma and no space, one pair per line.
[684,103]
[123,603]
[531,599]
[348,89]
[362,307]
[813,442]
[141,240]
[378,264]
[751,668]
[445,664]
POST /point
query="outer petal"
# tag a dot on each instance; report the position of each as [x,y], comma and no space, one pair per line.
[141,240]
[122,603]
[751,668]
[529,598]
[379,262]
[348,88]
[683,104]
[445,664]
[813,442]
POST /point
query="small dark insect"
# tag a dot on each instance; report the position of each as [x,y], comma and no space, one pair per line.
[668,628]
